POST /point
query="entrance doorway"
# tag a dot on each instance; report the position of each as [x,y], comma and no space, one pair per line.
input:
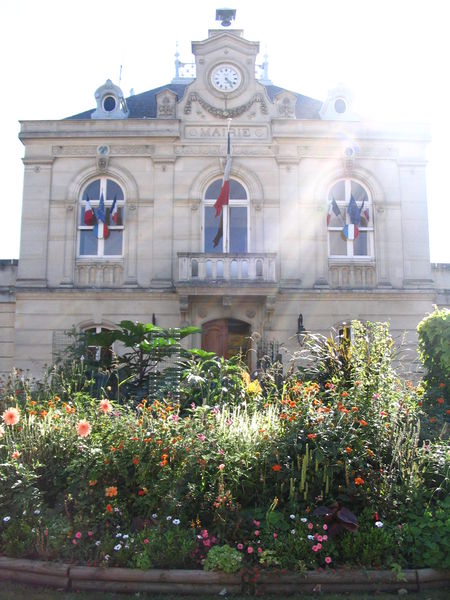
[226,337]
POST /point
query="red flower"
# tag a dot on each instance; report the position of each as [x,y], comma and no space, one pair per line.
[359,481]
[440,400]
[311,436]
[276,468]
[109,508]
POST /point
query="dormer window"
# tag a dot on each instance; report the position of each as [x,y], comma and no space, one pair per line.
[110,102]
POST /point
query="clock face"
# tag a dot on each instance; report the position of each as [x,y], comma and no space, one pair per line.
[226,78]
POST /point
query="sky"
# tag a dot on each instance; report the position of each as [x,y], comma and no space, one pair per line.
[392,54]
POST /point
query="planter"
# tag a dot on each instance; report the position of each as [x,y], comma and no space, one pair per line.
[199,582]
[154,580]
[36,572]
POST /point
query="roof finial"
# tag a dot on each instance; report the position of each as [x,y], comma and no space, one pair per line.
[225,15]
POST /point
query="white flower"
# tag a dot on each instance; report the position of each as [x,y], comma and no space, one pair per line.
[292,517]
[118,547]
[127,546]
[154,516]
[125,536]
[6,519]
[310,537]
[176,521]
[378,524]
[107,557]
[292,531]
[37,512]
[97,543]
[118,535]
[169,518]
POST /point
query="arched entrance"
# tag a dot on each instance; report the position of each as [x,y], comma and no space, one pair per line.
[226,337]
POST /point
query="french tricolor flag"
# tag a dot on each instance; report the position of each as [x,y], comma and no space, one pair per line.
[89,215]
[114,211]
[350,232]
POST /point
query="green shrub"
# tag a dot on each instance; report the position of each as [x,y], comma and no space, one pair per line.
[223,558]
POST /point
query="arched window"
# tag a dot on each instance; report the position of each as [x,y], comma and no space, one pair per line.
[350,220]
[98,354]
[101,219]
[229,232]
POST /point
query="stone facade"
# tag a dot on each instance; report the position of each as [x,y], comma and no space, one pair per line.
[163,150]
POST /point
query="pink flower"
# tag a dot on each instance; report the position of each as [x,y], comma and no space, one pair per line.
[221,451]
[275,535]
[256,533]
[74,542]
[90,533]
[78,535]
[319,538]
[325,527]
[310,525]
[221,467]
[146,541]
[11,416]
[206,543]
[204,533]
[175,418]
[15,455]
[256,523]
[250,550]
[259,550]
[319,546]
[324,538]
[328,559]
[315,548]
[240,546]
[83,428]
[105,405]
[201,437]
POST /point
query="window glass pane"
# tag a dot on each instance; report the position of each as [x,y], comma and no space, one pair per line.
[360,245]
[359,193]
[113,243]
[88,243]
[238,229]
[237,191]
[92,190]
[338,246]
[112,189]
[213,191]
[338,192]
[213,229]
[119,220]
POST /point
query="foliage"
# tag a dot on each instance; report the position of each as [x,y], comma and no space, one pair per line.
[223,558]
[434,349]
[229,461]
[145,346]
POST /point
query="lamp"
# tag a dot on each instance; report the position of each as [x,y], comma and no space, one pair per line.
[300,330]
[225,15]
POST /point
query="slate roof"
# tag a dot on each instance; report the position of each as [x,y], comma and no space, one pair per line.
[143,106]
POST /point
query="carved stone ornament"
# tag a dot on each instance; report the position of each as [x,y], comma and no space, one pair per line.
[225,113]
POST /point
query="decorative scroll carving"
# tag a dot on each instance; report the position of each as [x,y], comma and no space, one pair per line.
[225,113]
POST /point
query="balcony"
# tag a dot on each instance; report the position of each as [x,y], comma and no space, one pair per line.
[196,268]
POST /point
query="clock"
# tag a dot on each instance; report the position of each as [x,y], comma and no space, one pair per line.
[226,78]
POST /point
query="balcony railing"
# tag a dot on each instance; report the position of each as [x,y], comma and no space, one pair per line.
[352,275]
[195,267]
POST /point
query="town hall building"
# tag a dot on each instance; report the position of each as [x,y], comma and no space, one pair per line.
[326,219]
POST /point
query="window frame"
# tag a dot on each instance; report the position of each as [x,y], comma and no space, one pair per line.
[232,203]
[100,254]
[369,229]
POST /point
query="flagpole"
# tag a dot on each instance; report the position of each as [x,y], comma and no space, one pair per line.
[226,228]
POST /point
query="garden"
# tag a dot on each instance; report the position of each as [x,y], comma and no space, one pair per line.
[165,458]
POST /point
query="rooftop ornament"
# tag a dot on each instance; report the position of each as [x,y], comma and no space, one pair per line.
[225,15]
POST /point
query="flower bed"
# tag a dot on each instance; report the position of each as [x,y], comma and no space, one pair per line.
[298,475]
